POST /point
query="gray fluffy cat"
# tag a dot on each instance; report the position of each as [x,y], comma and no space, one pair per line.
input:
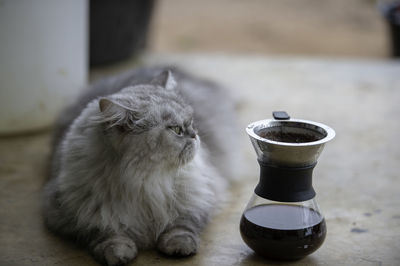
[140,161]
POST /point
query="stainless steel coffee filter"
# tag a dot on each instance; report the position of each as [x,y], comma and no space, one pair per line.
[289,143]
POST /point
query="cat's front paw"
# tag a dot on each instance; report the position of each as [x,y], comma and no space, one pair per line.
[178,242]
[116,251]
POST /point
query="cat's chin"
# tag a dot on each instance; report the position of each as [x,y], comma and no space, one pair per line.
[188,153]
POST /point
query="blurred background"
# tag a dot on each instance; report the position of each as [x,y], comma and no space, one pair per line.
[302,27]
[55,48]
[356,28]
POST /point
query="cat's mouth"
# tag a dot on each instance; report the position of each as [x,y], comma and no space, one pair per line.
[188,152]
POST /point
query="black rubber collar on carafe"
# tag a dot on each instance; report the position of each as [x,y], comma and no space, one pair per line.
[286,184]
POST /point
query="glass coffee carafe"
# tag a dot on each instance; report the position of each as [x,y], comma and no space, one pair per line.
[282,219]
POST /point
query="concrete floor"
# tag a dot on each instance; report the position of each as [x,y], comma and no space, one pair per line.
[357,179]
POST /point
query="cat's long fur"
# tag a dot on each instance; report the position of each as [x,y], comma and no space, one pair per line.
[123,179]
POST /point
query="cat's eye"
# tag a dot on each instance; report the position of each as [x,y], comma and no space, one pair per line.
[177,130]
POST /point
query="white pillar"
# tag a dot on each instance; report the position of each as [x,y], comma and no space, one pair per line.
[43,60]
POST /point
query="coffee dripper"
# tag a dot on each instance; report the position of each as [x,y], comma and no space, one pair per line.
[282,219]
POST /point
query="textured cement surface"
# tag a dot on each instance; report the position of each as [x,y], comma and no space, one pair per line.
[356,179]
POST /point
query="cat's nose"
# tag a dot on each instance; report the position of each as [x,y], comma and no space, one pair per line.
[191,133]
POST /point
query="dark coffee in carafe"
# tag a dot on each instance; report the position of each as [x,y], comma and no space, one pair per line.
[274,230]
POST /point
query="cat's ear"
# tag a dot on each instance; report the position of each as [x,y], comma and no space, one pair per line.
[111,106]
[115,112]
[165,80]
[115,115]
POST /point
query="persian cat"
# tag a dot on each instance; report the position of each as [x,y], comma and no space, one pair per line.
[140,161]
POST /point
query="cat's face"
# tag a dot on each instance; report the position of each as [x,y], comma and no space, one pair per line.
[173,140]
[152,122]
